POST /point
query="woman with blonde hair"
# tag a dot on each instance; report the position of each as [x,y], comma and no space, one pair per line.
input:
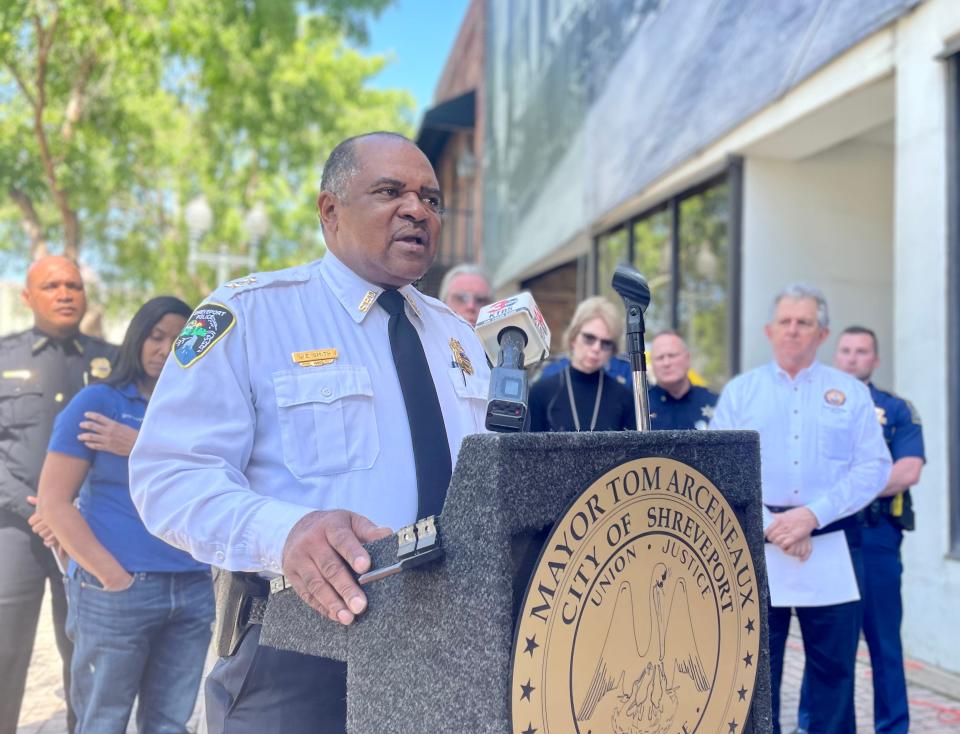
[582,397]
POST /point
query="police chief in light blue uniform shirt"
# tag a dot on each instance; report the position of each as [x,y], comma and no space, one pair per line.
[283,400]
[822,459]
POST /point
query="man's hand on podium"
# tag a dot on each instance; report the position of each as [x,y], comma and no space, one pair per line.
[318,555]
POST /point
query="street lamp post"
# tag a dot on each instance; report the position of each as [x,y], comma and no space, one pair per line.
[199,219]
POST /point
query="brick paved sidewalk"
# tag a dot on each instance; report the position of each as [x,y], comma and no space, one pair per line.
[934,694]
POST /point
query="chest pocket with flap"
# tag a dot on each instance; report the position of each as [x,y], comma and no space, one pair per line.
[327,420]
[21,401]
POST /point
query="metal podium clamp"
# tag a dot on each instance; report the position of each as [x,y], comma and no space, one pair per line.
[416,544]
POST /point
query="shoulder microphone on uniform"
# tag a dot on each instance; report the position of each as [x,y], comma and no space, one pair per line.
[514,335]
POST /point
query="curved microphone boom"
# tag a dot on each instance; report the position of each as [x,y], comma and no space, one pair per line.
[514,336]
[633,289]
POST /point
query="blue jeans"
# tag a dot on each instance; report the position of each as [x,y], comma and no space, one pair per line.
[147,642]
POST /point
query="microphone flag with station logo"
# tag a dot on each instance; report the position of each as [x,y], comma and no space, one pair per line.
[514,335]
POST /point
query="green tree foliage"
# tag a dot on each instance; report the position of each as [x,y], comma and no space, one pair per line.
[114,114]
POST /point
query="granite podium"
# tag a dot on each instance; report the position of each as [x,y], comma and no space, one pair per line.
[433,652]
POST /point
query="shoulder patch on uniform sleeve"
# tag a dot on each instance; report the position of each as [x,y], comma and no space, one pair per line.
[914,415]
[208,324]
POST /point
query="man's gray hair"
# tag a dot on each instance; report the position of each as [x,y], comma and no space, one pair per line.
[462,269]
[801,291]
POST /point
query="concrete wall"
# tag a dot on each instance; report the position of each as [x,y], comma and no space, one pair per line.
[931,578]
[826,220]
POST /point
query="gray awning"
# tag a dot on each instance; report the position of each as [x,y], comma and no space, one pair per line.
[444,119]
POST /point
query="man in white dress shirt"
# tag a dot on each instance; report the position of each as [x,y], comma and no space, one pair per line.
[822,459]
[284,437]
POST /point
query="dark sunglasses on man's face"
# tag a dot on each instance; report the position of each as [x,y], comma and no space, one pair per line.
[464,298]
[589,340]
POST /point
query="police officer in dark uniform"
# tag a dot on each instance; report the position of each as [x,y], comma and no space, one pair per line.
[675,403]
[41,369]
[882,524]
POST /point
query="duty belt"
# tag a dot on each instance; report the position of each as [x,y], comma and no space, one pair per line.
[241,602]
[899,510]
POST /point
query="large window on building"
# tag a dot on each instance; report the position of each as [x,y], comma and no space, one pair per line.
[612,248]
[703,298]
[953,295]
[687,248]
[653,256]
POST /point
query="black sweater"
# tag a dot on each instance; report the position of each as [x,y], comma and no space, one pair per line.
[550,403]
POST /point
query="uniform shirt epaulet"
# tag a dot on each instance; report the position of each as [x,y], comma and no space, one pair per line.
[911,408]
[256,281]
[12,340]
[438,305]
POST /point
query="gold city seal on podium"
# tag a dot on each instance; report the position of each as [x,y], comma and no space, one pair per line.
[642,615]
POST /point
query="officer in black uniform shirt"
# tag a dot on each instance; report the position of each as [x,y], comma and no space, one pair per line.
[675,404]
[41,369]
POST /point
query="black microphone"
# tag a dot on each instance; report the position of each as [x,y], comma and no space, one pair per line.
[633,289]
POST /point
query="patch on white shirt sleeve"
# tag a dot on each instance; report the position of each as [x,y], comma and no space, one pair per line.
[205,327]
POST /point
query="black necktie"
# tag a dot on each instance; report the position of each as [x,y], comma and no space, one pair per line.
[431,452]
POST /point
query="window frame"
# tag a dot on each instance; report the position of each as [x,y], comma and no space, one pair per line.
[732,175]
[953,297]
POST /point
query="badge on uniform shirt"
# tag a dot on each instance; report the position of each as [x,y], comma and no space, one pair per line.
[315,357]
[100,368]
[881,415]
[707,411]
[460,357]
[205,327]
[835,397]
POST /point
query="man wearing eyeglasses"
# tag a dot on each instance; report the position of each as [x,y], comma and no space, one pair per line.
[466,289]
[675,403]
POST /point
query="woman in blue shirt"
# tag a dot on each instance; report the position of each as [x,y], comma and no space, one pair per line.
[140,610]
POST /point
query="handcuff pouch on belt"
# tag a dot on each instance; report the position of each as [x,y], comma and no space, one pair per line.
[898,508]
[241,598]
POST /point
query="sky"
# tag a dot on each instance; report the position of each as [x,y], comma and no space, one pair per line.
[418,34]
